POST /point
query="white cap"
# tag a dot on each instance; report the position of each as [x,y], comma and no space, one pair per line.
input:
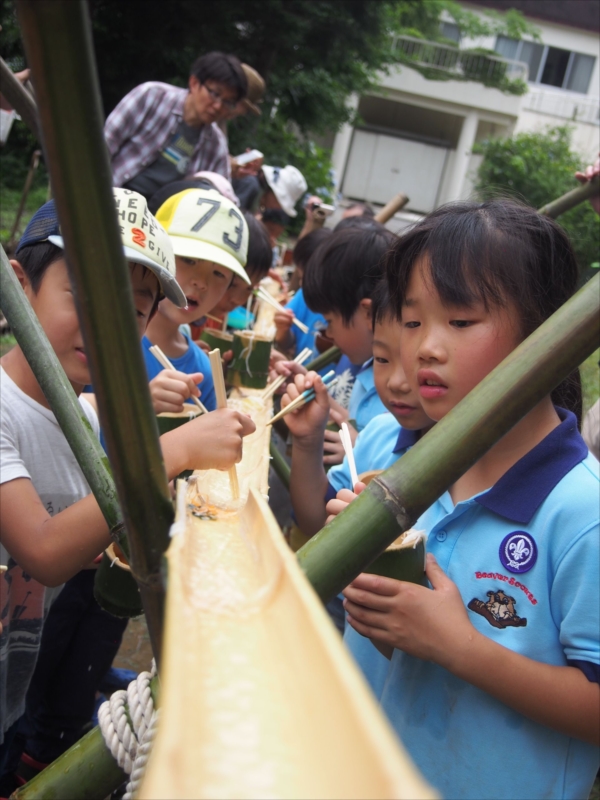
[145,241]
[288,186]
[203,224]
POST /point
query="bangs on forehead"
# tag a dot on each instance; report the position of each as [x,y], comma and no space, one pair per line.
[495,252]
[471,261]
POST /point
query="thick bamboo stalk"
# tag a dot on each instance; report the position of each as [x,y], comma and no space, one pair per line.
[397,202]
[323,360]
[59,48]
[280,465]
[571,199]
[19,98]
[60,395]
[395,499]
[87,771]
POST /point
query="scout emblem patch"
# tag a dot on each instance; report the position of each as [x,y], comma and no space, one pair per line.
[499,610]
[518,552]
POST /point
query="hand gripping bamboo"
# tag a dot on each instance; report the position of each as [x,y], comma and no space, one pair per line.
[219,382]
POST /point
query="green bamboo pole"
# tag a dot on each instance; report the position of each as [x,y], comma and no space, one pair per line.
[59,48]
[19,98]
[280,465]
[87,771]
[326,358]
[571,199]
[60,395]
[395,499]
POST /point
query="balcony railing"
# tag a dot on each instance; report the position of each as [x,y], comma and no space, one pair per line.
[460,64]
[560,104]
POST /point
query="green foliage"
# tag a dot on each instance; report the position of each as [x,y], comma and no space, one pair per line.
[313,55]
[538,168]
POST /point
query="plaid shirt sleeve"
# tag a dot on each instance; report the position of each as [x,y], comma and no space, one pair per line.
[140,126]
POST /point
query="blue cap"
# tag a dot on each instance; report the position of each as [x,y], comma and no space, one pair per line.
[43,224]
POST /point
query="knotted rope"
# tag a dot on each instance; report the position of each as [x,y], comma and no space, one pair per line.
[128,724]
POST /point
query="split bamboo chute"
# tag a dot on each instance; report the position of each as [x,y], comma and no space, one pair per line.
[241,715]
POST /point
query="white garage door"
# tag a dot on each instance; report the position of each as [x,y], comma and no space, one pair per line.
[380,166]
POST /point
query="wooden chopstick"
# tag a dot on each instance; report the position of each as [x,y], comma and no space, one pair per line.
[164,362]
[347,443]
[309,394]
[300,359]
[221,394]
[262,295]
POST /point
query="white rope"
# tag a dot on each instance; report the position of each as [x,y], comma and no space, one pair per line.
[128,724]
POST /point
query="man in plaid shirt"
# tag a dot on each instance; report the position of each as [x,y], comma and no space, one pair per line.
[160,133]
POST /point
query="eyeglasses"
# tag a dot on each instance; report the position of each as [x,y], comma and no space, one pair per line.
[218,98]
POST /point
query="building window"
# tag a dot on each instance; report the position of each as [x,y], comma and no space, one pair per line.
[450,31]
[550,66]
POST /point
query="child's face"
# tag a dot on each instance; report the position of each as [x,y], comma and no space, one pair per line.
[54,305]
[146,287]
[355,339]
[237,295]
[448,350]
[390,381]
[203,282]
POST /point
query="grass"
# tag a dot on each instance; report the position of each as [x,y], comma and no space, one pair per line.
[9,203]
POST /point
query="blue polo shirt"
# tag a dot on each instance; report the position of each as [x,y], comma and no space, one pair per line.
[378,446]
[194,360]
[315,322]
[525,556]
[365,403]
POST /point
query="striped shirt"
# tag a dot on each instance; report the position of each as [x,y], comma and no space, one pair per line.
[140,127]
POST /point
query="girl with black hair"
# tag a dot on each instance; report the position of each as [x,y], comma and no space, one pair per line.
[493,679]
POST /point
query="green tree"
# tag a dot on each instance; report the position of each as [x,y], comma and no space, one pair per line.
[313,54]
[538,168]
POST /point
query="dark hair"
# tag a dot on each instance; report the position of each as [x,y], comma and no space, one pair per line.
[492,252]
[367,209]
[35,260]
[307,245]
[382,307]
[345,269]
[364,223]
[260,252]
[222,68]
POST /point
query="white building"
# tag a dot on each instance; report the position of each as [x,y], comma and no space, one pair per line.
[416,135]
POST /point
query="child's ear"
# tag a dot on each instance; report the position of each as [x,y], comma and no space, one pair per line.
[366,305]
[21,274]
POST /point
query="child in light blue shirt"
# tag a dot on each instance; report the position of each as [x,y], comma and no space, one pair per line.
[493,684]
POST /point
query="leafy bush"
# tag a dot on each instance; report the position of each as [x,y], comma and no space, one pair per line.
[538,168]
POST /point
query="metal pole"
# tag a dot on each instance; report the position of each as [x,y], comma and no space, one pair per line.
[394,500]
[59,49]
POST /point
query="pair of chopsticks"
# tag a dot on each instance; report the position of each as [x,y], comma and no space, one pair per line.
[300,359]
[309,394]
[221,395]
[164,362]
[347,444]
[262,295]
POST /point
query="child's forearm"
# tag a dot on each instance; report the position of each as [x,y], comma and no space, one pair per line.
[562,698]
[50,549]
[308,485]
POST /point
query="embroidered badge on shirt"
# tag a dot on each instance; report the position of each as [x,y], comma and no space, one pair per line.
[499,610]
[518,552]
